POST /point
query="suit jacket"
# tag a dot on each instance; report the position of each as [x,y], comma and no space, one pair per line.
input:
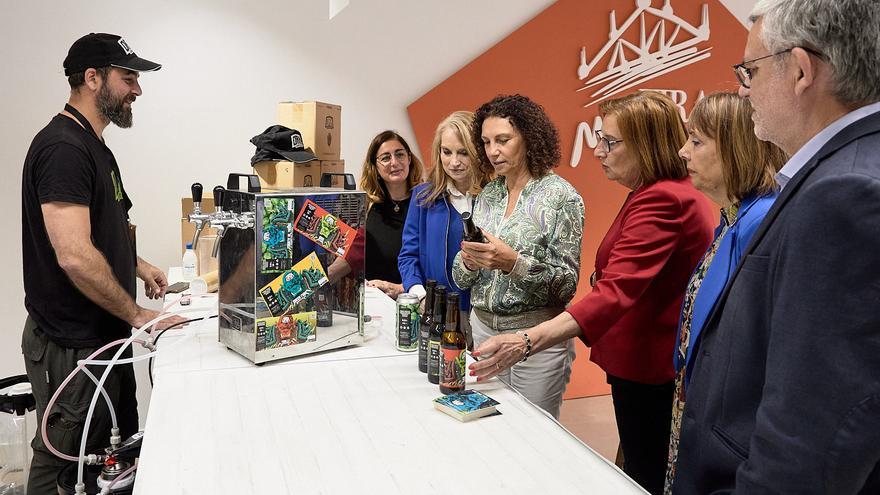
[431,239]
[749,216]
[785,393]
[642,269]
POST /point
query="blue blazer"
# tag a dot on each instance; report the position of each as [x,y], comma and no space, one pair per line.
[733,245]
[431,239]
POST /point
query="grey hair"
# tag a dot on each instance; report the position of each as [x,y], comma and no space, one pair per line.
[845,32]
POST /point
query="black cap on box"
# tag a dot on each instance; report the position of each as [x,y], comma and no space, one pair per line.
[281,143]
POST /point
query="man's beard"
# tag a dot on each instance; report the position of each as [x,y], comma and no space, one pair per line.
[113,109]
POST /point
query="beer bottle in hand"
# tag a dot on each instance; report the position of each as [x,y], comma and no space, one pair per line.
[425,325]
[453,344]
[472,233]
[437,327]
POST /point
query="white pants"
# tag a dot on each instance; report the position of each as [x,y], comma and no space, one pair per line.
[542,378]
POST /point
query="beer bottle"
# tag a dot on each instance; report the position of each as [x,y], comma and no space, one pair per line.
[472,233]
[425,325]
[437,327]
[453,344]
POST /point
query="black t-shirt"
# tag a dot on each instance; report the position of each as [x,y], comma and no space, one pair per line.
[384,238]
[67,163]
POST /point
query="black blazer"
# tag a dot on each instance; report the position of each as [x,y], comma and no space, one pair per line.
[785,393]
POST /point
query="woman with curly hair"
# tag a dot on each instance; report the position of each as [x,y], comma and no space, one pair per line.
[532,219]
[433,231]
[389,173]
[642,269]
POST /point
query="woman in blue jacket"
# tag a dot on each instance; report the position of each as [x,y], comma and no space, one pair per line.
[433,229]
[734,169]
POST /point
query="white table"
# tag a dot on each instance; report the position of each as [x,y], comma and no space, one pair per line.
[356,420]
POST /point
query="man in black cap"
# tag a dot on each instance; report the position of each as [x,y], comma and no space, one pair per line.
[80,262]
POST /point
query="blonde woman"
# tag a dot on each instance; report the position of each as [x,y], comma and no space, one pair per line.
[390,172]
[433,232]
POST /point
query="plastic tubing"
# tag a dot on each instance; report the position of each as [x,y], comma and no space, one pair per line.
[44,423]
[103,392]
[126,343]
[169,305]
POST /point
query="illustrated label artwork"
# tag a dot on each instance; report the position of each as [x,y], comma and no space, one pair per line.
[286,330]
[277,242]
[452,368]
[325,229]
[295,285]
[407,322]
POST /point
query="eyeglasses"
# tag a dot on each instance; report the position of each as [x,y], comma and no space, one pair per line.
[385,158]
[606,144]
[744,74]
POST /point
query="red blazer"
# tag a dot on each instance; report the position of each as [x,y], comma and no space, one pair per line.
[642,270]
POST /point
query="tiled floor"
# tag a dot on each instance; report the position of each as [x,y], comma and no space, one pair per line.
[592,420]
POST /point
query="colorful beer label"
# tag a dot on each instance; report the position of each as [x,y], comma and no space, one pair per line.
[323,228]
[452,368]
[294,285]
[286,330]
[277,243]
[408,326]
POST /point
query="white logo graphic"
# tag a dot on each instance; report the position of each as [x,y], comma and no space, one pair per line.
[655,54]
[296,141]
[125,47]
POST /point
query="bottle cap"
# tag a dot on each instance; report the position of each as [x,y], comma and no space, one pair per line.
[189,245]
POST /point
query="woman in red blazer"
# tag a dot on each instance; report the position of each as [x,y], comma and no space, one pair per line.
[642,269]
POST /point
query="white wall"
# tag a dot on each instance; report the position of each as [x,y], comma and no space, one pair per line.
[226,64]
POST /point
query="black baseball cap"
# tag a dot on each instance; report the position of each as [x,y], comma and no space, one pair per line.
[279,142]
[97,50]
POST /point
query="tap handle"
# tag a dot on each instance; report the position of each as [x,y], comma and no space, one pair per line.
[219,196]
[196,192]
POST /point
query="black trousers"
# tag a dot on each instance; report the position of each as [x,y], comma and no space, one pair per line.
[644,414]
[47,365]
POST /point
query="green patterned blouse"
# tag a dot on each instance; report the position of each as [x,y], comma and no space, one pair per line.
[545,227]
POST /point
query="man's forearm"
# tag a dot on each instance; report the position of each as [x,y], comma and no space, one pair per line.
[91,274]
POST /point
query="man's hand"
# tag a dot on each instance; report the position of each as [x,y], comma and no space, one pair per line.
[154,279]
[144,316]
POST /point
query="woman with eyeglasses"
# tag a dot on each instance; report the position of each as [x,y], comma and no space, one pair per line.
[389,173]
[643,264]
[532,221]
[433,231]
[728,164]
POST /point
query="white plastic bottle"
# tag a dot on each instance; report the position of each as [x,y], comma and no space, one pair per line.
[190,264]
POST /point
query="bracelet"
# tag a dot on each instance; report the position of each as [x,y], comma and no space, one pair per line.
[528,341]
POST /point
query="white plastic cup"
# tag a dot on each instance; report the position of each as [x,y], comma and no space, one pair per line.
[198,286]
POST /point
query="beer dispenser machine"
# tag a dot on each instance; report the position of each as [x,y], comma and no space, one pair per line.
[291,267]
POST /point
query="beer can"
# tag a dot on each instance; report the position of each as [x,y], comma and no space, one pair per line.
[407,334]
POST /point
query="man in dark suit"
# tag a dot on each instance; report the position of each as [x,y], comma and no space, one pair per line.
[785,394]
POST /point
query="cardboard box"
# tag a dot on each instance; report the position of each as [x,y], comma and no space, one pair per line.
[285,175]
[319,123]
[333,167]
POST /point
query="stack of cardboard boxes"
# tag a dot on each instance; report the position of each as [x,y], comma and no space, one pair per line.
[320,125]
